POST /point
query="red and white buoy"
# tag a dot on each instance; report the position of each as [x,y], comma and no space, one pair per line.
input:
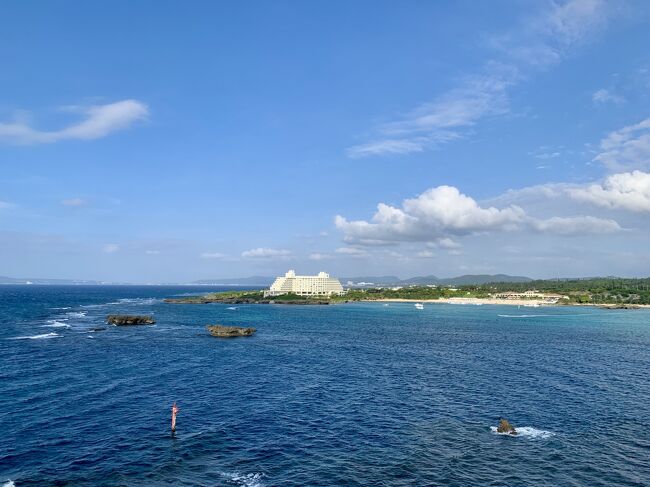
[175,411]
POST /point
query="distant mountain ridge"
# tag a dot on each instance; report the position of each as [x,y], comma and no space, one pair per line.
[237,281]
[14,280]
[379,280]
[264,281]
[463,280]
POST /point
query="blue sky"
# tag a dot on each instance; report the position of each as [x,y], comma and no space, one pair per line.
[165,141]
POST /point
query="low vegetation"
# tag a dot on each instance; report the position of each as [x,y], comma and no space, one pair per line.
[582,291]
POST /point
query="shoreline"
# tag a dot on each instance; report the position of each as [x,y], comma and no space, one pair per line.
[529,303]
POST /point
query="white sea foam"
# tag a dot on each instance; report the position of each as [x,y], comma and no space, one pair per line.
[56,324]
[521,316]
[64,307]
[36,337]
[9,483]
[234,308]
[123,301]
[137,301]
[246,480]
[526,432]
[77,314]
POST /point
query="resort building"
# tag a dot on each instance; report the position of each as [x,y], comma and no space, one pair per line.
[319,285]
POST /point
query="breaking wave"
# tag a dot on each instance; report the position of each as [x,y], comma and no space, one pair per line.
[56,324]
[521,316]
[245,480]
[137,301]
[123,301]
[9,483]
[36,337]
[77,314]
[526,432]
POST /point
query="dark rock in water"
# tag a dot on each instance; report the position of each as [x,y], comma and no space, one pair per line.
[221,331]
[97,329]
[619,306]
[123,320]
[506,427]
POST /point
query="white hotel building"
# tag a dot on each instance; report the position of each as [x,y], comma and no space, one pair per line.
[319,285]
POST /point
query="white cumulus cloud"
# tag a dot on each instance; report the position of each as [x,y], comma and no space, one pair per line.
[440,215]
[99,121]
[435,214]
[626,191]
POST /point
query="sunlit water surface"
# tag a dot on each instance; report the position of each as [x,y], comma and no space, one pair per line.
[353,394]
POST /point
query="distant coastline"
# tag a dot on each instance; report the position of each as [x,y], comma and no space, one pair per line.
[508,302]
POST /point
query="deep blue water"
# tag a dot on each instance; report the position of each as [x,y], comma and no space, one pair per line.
[356,394]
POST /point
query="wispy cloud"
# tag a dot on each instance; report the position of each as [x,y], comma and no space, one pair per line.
[537,44]
[152,252]
[438,122]
[111,248]
[5,205]
[575,226]
[266,253]
[73,202]
[320,256]
[212,255]
[426,254]
[99,121]
[605,96]
[627,148]
[352,252]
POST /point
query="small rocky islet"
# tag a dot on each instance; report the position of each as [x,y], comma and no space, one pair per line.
[130,320]
[221,331]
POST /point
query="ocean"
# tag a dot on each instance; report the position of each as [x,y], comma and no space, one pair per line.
[354,394]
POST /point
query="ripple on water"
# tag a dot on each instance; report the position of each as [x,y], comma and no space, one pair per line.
[343,395]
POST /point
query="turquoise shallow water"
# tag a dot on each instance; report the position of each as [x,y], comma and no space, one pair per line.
[355,394]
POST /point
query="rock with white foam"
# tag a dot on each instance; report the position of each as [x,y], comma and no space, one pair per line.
[129,320]
[506,428]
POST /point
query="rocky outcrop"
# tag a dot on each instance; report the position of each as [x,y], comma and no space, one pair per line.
[127,320]
[221,331]
[619,306]
[214,299]
[230,300]
[506,427]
